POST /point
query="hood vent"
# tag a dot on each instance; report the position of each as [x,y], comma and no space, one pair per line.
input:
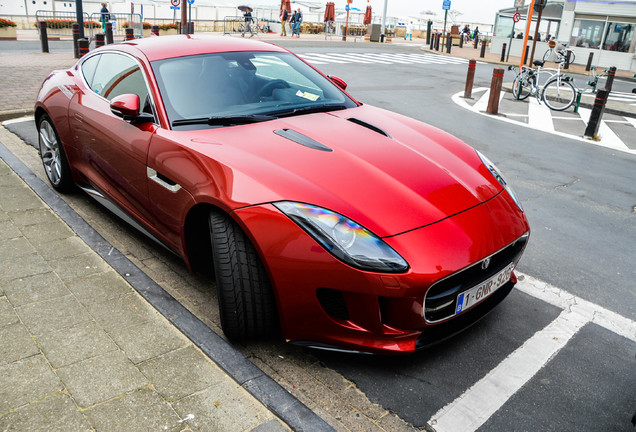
[301,139]
[368,126]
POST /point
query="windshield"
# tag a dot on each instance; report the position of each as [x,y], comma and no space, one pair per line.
[199,90]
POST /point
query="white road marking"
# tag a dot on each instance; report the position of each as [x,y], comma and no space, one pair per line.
[482,103]
[477,404]
[608,137]
[18,120]
[539,116]
[459,100]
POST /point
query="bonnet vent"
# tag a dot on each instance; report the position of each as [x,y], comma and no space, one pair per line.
[368,126]
[301,139]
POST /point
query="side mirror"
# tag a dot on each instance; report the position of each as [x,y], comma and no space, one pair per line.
[338,81]
[126,106]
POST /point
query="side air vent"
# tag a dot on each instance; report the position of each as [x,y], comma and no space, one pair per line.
[369,126]
[333,302]
[301,139]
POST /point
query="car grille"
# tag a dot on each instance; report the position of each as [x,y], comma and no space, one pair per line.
[441,298]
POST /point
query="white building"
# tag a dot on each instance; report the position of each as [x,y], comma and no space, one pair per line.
[606,28]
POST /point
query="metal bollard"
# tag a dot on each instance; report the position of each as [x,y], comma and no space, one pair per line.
[503,52]
[191,27]
[567,61]
[482,54]
[593,124]
[76,36]
[155,30]
[470,78]
[461,41]
[130,34]
[109,32]
[589,62]
[476,41]
[44,37]
[610,78]
[432,42]
[525,59]
[495,91]
[100,40]
[83,46]
[436,41]
[449,43]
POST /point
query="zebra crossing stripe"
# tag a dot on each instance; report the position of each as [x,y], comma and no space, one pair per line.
[366,57]
[323,58]
[380,58]
[351,58]
[539,116]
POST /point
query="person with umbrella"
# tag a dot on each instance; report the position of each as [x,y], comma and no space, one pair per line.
[247,15]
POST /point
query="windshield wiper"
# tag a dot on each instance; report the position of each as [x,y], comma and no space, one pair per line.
[308,110]
[224,121]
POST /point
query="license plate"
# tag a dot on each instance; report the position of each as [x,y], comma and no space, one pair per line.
[482,291]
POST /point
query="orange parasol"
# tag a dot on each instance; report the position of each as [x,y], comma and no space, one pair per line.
[367,16]
[330,12]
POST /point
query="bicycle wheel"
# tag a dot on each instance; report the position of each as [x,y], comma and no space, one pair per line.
[558,94]
[522,86]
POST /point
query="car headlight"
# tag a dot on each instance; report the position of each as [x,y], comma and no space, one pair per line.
[500,178]
[344,239]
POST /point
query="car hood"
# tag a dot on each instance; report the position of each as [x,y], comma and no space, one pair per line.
[385,171]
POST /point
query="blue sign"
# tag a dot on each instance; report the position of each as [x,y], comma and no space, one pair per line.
[175,7]
[347,7]
[446,5]
[190,1]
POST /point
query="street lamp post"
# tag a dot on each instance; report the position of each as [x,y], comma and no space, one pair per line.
[384,19]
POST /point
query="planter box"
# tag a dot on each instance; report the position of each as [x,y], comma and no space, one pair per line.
[168,32]
[146,32]
[8,33]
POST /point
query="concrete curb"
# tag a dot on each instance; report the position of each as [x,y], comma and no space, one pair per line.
[267,391]
[12,114]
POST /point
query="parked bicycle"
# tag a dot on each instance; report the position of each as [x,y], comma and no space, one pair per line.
[557,92]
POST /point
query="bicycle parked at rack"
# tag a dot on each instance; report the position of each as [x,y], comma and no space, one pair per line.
[558,92]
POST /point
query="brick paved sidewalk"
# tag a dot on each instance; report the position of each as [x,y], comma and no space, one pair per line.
[80,350]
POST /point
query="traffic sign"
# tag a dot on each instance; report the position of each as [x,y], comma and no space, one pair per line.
[175,3]
[175,7]
[516,17]
[446,5]
[347,7]
[190,1]
[519,3]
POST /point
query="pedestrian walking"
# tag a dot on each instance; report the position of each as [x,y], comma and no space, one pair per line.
[248,21]
[284,16]
[292,23]
[105,15]
[297,22]
[409,31]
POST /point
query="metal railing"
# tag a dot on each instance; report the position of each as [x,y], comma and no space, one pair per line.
[61,23]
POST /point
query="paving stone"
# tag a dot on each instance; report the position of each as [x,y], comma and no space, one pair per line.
[143,410]
[16,343]
[101,378]
[71,345]
[271,426]
[25,381]
[62,248]
[7,314]
[181,373]
[38,217]
[152,339]
[19,198]
[34,289]
[27,265]
[99,287]
[43,235]
[225,407]
[121,312]
[14,248]
[8,230]
[52,315]
[54,413]
[79,266]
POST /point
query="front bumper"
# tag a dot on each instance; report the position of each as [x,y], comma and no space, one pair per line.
[323,302]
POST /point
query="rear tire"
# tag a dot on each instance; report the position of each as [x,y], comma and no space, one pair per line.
[246,299]
[522,86]
[53,156]
[558,95]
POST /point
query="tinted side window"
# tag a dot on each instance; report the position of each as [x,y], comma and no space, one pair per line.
[118,74]
[88,69]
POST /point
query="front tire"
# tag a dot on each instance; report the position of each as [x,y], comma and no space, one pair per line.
[522,86]
[53,156]
[246,298]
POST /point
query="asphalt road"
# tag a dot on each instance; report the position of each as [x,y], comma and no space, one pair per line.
[580,202]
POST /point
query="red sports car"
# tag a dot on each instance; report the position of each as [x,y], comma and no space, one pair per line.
[336,224]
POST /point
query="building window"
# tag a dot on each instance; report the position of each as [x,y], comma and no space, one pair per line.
[619,37]
[587,33]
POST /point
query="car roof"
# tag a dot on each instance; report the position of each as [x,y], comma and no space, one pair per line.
[162,47]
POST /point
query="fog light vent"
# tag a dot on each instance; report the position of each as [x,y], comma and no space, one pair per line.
[333,302]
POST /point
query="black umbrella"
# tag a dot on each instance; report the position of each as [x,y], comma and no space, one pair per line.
[245,8]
